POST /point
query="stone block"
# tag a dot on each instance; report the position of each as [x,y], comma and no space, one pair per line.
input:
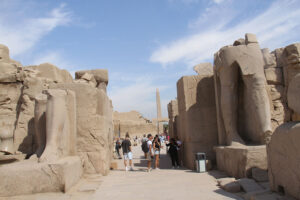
[28,177]
[274,76]
[250,38]
[283,159]
[197,117]
[259,175]
[249,185]
[229,185]
[237,161]
[204,69]
[100,75]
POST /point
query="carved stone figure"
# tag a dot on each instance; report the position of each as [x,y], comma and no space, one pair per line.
[241,96]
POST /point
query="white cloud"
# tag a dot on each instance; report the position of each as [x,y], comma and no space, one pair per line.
[23,34]
[274,28]
[218,1]
[139,94]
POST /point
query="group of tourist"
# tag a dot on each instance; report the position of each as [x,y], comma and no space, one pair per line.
[151,146]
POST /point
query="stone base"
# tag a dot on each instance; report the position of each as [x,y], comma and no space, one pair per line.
[237,161]
[28,176]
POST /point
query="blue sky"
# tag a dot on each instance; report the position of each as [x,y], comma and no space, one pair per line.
[144,44]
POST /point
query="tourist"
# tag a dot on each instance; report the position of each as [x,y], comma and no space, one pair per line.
[179,144]
[117,147]
[144,142]
[150,151]
[127,153]
[173,153]
[156,149]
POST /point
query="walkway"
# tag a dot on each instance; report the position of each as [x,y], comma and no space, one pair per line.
[165,183]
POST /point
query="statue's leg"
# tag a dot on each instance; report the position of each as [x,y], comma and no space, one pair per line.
[40,123]
[229,103]
[259,105]
[56,118]
[6,140]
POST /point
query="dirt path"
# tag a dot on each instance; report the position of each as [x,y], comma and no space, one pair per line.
[165,183]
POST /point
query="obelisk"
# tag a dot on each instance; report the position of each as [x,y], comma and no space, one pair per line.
[158,107]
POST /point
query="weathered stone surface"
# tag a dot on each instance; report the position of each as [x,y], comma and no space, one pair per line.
[197,117]
[27,177]
[229,185]
[100,75]
[283,159]
[274,76]
[250,38]
[237,161]
[243,108]
[94,126]
[294,94]
[269,58]
[259,175]
[173,118]
[133,123]
[204,69]
[58,138]
[47,70]
[250,185]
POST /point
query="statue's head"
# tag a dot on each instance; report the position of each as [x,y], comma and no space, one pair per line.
[4,53]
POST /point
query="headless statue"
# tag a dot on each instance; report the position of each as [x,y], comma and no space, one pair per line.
[241,84]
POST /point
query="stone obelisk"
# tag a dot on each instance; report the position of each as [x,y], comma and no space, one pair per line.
[158,107]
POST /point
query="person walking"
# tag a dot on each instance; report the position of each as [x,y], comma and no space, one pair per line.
[173,153]
[127,153]
[149,154]
[156,149]
[117,147]
[179,147]
[144,144]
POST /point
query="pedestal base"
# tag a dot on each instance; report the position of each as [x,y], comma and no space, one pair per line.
[237,161]
[28,176]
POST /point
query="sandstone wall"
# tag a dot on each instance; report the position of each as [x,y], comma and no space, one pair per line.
[94,126]
[283,150]
[173,118]
[133,123]
[197,125]
[20,85]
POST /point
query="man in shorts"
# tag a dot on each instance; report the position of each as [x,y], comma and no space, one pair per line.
[127,154]
[149,153]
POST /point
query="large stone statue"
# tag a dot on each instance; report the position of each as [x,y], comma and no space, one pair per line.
[10,92]
[241,96]
[55,124]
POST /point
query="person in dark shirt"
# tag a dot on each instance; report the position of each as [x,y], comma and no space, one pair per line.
[127,154]
[173,152]
[117,147]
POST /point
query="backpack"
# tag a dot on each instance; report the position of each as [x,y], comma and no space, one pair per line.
[145,147]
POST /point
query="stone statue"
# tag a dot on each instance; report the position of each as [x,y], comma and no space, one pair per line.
[243,106]
[10,92]
[55,124]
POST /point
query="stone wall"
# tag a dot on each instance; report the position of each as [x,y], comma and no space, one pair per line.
[133,123]
[173,118]
[197,126]
[19,87]
[283,150]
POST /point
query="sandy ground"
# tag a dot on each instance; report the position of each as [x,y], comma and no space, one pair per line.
[139,184]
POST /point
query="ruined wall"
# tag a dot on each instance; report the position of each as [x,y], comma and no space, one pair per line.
[173,118]
[283,150]
[20,85]
[197,125]
[133,123]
